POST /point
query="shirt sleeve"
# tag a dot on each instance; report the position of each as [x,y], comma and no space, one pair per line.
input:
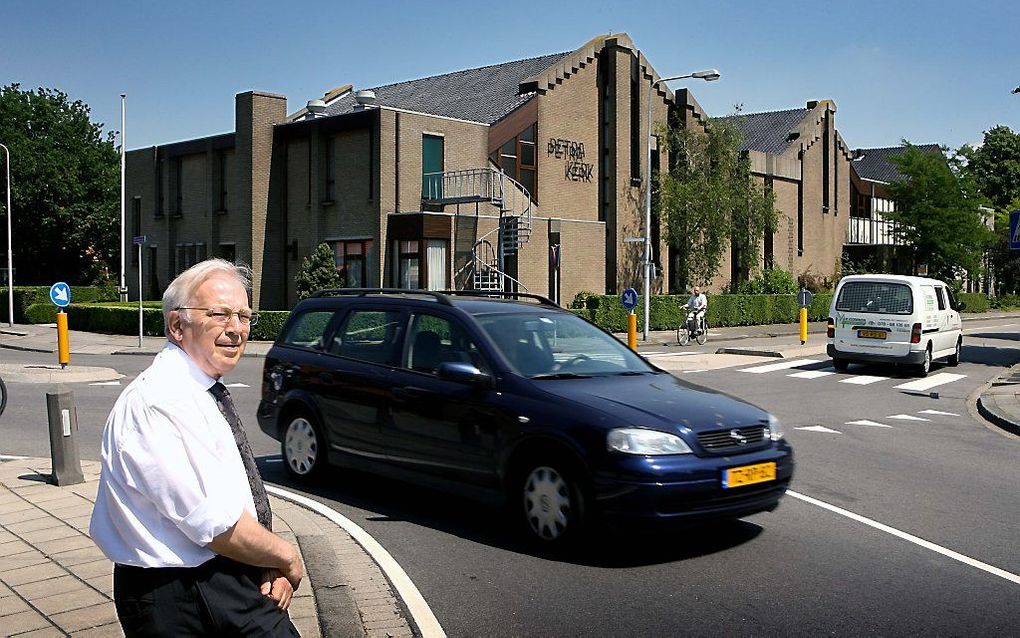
[168,456]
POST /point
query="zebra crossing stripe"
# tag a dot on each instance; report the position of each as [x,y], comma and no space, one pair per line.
[868,423]
[819,428]
[908,417]
[811,374]
[782,365]
[939,412]
[863,379]
[930,382]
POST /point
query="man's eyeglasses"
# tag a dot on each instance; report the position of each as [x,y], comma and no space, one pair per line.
[222,315]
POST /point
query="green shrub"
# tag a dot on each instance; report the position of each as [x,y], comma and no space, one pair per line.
[25,296]
[318,272]
[976,301]
[771,281]
[41,313]
[269,325]
[1005,302]
[581,299]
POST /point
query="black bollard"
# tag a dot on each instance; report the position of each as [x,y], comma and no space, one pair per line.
[63,419]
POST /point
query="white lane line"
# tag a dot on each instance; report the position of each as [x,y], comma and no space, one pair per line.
[692,371]
[1005,325]
[938,412]
[653,355]
[238,385]
[106,383]
[9,457]
[406,589]
[868,423]
[930,382]
[908,417]
[782,365]
[967,560]
[862,379]
[811,374]
[818,428]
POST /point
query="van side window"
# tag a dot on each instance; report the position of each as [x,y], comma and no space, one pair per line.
[952,298]
[941,297]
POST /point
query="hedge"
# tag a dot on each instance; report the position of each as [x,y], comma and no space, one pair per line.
[976,301]
[26,296]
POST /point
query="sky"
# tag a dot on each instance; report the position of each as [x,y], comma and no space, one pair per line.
[928,72]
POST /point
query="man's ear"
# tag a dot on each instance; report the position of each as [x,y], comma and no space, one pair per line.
[176,326]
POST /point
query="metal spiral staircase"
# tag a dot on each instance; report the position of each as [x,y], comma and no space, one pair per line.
[487,186]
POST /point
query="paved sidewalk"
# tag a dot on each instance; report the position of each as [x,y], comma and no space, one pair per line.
[54,581]
[1000,402]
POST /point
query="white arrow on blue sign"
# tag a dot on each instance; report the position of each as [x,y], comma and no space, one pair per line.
[629,298]
[60,294]
[1014,230]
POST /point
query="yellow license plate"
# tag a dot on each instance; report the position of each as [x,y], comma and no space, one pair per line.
[871,334]
[749,474]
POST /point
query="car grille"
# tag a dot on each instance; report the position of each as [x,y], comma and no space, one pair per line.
[733,439]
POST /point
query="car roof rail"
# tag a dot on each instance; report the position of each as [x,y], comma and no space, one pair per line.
[361,292]
[545,301]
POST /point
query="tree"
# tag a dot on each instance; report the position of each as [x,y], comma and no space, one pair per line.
[710,202]
[937,214]
[318,272]
[65,188]
[995,166]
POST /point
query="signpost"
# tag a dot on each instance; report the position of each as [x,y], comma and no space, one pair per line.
[804,299]
[629,299]
[60,295]
[140,241]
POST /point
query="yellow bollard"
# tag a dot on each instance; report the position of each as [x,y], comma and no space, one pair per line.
[803,326]
[63,347]
[632,331]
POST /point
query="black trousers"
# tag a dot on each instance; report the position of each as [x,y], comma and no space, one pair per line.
[220,597]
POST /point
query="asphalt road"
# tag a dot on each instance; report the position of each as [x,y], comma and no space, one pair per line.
[804,569]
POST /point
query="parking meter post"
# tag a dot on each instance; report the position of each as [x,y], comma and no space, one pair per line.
[632,331]
[63,347]
[63,421]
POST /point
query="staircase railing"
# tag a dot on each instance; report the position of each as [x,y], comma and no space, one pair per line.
[485,185]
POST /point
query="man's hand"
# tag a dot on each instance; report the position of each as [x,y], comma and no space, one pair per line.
[277,587]
[294,571]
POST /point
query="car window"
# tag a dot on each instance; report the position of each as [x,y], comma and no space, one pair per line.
[940,296]
[559,343]
[434,340]
[370,335]
[875,296]
[308,330]
[952,298]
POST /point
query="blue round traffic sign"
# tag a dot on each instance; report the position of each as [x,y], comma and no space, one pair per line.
[629,298]
[60,294]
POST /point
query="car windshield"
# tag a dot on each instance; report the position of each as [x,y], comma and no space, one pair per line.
[558,345]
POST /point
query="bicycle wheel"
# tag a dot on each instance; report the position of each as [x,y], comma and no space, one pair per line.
[703,334]
[3,396]
[683,336]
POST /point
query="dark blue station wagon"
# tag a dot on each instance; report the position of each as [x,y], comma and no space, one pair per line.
[517,399]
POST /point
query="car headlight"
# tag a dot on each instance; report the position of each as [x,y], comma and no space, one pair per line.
[775,429]
[651,442]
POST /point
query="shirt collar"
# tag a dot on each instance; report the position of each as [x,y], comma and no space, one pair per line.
[185,364]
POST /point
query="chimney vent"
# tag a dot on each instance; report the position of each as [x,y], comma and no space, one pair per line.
[365,98]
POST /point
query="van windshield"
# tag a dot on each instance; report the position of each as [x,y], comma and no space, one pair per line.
[875,296]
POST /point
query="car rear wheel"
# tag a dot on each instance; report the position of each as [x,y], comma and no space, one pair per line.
[925,367]
[302,446]
[954,359]
[552,501]
[841,365]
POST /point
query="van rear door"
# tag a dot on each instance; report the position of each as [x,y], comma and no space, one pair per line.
[874,317]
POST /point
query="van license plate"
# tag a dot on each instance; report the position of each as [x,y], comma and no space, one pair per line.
[871,334]
[749,474]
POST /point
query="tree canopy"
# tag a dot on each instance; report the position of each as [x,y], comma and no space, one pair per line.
[65,188]
[710,202]
[937,214]
[995,166]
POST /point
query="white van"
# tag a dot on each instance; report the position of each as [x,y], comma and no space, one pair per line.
[894,319]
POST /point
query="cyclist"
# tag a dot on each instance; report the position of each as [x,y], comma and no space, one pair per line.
[698,304]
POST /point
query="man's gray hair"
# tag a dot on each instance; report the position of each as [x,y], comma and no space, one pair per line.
[181,290]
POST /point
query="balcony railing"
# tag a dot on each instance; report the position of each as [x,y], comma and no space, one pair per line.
[873,232]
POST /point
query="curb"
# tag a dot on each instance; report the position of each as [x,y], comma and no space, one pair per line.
[992,415]
[751,352]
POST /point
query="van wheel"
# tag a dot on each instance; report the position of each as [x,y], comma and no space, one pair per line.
[954,359]
[925,367]
[841,365]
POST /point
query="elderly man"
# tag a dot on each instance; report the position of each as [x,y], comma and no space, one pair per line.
[181,510]
[698,304]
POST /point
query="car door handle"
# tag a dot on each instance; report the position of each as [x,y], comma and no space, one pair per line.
[408,393]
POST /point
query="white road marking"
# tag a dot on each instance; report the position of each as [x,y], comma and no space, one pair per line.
[818,428]
[868,423]
[9,457]
[930,382]
[967,560]
[862,379]
[782,365]
[106,383]
[690,371]
[273,461]
[652,355]
[938,412]
[406,589]
[811,374]
[1005,325]
[238,385]
[908,417]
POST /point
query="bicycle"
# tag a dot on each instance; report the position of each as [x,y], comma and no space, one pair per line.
[692,327]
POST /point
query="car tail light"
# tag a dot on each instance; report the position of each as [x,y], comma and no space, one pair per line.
[915,333]
[830,329]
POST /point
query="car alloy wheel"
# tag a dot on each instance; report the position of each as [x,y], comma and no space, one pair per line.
[301,447]
[548,506]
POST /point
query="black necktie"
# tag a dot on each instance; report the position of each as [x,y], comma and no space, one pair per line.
[258,490]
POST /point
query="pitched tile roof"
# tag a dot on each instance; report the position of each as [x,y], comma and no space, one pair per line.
[768,132]
[485,94]
[873,163]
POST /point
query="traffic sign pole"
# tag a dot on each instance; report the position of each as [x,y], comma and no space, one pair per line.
[141,316]
[63,343]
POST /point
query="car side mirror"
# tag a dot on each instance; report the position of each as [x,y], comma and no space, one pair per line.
[961,305]
[466,373]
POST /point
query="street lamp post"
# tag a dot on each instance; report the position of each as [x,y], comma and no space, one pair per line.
[123,150]
[10,242]
[709,75]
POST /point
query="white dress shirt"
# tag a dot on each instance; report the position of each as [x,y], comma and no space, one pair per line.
[698,301]
[172,478]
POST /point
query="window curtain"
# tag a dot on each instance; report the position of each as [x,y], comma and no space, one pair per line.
[436,253]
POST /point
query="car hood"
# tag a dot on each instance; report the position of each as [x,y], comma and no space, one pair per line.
[659,401]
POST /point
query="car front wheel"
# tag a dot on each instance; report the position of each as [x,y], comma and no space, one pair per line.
[303,449]
[553,502]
